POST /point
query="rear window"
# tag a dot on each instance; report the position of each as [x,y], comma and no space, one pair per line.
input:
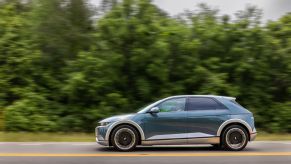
[197,103]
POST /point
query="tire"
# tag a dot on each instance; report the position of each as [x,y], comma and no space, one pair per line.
[234,138]
[124,138]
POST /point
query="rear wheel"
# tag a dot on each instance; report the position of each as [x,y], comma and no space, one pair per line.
[234,138]
[124,138]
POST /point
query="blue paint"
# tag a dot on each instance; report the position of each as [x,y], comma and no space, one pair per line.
[182,124]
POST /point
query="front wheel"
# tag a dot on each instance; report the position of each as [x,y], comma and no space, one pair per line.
[124,138]
[234,138]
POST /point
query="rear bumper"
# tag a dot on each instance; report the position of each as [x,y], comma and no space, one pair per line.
[253,136]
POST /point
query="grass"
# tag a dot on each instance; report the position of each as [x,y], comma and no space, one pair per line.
[90,137]
[273,137]
[46,137]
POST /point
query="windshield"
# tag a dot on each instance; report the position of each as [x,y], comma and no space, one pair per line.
[144,108]
[141,109]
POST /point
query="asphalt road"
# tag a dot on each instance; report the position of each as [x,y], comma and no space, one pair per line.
[261,152]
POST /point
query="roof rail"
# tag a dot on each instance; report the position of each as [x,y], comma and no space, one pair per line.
[229,98]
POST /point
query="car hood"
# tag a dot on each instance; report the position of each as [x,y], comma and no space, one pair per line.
[117,118]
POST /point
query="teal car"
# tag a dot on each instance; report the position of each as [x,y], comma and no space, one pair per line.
[178,120]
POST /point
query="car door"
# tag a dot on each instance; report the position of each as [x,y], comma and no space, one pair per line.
[204,116]
[169,123]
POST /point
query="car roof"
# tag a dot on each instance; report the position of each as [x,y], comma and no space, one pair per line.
[214,96]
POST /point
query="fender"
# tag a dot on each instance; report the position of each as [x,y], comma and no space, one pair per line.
[125,122]
[225,123]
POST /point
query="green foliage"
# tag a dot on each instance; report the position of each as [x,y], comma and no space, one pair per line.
[59,71]
[33,113]
[280,121]
[1,120]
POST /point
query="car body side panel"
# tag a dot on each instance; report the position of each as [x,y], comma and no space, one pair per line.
[240,113]
[181,127]
[165,125]
[247,118]
[233,108]
[205,123]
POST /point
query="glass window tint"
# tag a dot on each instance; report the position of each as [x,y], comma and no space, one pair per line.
[203,104]
[173,105]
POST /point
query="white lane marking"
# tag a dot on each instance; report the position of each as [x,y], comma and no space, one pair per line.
[83,144]
[208,154]
[287,143]
[271,142]
[32,144]
[93,143]
[47,143]
[55,143]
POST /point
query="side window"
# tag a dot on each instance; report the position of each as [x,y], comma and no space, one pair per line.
[173,105]
[203,103]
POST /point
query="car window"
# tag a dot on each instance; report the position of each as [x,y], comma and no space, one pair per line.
[173,105]
[202,103]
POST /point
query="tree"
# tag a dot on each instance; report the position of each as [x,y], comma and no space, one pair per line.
[132,33]
[63,69]
[61,29]
[16,51]
[17,57]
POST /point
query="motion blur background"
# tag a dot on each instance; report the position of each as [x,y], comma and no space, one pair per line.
[65,64]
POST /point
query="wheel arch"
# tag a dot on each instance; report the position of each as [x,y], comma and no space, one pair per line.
[230,122]
[125,122]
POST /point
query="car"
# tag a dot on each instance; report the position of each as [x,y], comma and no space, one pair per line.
[180,120]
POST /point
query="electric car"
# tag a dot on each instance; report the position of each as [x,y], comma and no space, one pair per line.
[178,120]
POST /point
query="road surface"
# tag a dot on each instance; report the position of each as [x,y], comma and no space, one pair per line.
[260,152]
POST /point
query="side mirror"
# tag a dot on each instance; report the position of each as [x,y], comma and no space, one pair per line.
[154,110]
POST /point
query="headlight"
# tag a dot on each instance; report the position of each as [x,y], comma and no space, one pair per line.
[104,123]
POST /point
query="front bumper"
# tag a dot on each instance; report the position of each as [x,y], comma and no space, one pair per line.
[102,142]
[100,132]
